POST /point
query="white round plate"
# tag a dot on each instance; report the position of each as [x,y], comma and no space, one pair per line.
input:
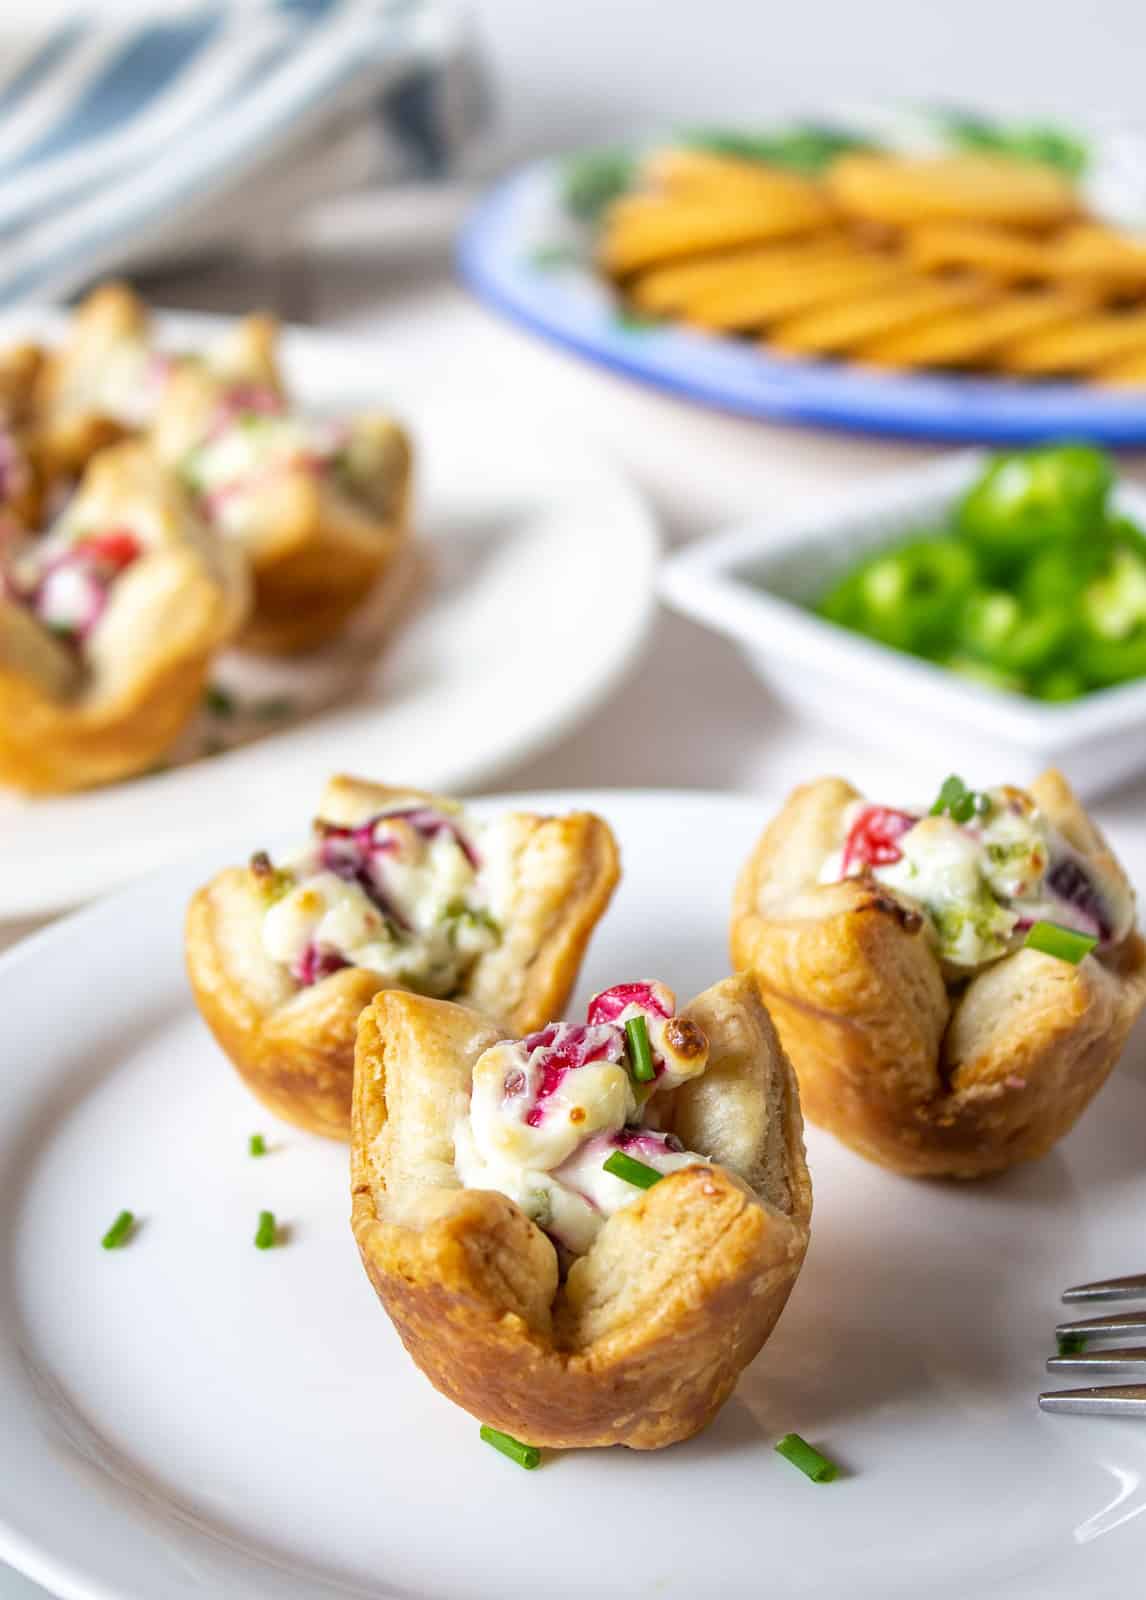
[193,1417]
[538,598]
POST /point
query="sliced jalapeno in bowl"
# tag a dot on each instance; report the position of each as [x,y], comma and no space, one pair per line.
[1037,584]
[998,628]
[1028,499]
[1059,683]
[908,597]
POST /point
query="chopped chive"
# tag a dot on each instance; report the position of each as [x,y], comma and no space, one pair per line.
[258,1145]
[951,792]
[1071,1344]
[526,1455]
[220,702]
[637,1033]
[119,1232]
[274,708]
[632,1171]
[267,1233]
[1063,943]
[959,802]
[810,1462]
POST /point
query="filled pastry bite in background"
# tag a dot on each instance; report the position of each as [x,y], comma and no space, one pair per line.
[101,384]
[955,986]
[584,1235]
[21,476]
[319,507]
[108,625]
[107,378]
[396,888]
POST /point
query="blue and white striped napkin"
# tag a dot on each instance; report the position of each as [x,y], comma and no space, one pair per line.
[126,140]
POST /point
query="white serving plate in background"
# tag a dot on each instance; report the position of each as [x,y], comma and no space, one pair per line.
[532,541]
[191,1418]
[754,584]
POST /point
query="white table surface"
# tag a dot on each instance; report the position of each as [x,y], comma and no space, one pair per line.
[691,713]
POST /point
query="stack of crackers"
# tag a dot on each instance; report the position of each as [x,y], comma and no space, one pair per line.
[968,261]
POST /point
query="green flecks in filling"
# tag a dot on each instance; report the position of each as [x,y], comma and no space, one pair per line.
[973,932]
[463,918]
[274,882]
[539,1208]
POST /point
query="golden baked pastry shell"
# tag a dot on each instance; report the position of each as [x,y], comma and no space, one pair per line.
[646,1337]
[294,1046]
[322,558]
[919,1079]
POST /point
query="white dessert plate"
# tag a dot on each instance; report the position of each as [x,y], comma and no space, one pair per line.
[190,1416]
[536,597]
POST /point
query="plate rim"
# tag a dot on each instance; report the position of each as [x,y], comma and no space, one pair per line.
[24,1552]
[29,1554]
[608,666]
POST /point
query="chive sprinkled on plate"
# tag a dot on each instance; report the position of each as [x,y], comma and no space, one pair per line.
[257,1145]
[1071,1344]
[119,1232]
[526,1455]
[1064,943]
[809,1460]
[632,1171]
[267,1233]
[640,1051]
[220,702]
[274,708]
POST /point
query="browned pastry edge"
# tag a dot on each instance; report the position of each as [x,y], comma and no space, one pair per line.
[926,1082]
[646,1338]
[294,1047]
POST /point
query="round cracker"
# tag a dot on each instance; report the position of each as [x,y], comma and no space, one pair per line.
[1089,344]
[664,290]
[1001,253]
[1103,256]
[966,338]
[659,229]
[974,188]
[702,172]
[835,329]
[756,302]
[1129,372]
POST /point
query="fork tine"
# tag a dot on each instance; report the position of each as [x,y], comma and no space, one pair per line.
[1121,1322]
[1128,1362]
[1119,1400]
[1133,1288]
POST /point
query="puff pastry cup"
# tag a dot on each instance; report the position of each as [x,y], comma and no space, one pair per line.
[288,1025]
[321,509]
[21,479]
[106,381]
[923,1070]
[100,385]
[643,1338]
[108,625]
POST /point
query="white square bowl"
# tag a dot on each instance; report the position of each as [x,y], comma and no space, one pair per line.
[754,583]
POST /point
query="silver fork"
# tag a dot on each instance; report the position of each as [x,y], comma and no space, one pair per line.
[1108,1400]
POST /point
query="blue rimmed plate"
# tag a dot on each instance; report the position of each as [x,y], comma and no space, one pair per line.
[528,255]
